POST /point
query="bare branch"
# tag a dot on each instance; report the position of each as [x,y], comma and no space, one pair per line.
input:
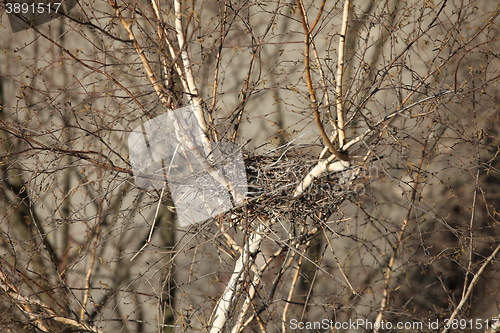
[228,298]
[342,155]
[339,105]
[471,285]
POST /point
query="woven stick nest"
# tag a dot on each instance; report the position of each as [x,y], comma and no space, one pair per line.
[272,181]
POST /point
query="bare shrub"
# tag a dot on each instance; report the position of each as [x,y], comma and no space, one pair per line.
[369,133]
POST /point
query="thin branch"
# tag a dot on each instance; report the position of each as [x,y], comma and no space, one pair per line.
[248,301]
[88,276]
[470,287]
[471,238]
[340,75]
[322,7]
[140,51]
[92,69]
[38,311]
[341,269]
[185,72]
[192,89]
[324,166]
[392,116]
[390,266]
[312,95]
[153,224]
[226,301]
[293,286]
[259,272]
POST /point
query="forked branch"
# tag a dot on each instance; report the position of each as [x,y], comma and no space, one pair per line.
[312,95]
[140,51]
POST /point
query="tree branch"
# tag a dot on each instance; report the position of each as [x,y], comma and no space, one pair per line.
[312,96]
[340,75]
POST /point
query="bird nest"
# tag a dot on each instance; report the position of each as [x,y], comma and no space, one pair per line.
[272,181]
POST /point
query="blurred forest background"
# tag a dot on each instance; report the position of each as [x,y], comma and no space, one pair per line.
[405,231]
